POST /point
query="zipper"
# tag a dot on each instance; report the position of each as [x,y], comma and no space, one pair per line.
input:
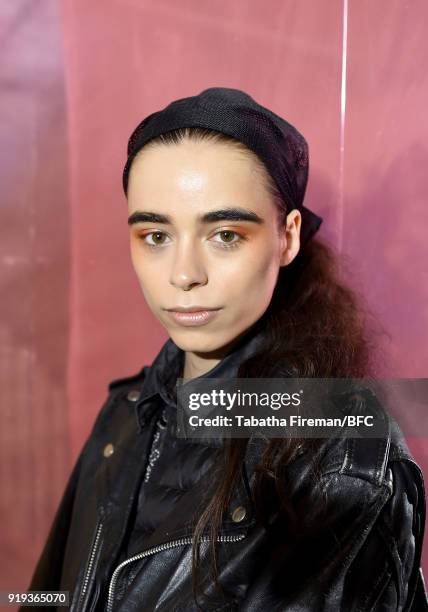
[90,565]
[154,453]
[155,549]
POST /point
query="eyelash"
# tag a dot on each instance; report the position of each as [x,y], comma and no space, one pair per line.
[224,245]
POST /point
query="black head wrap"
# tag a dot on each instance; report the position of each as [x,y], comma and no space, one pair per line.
[231,111]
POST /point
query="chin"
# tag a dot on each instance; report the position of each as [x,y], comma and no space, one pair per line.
[197,341]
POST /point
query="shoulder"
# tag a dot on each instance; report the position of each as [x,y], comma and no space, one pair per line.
[368,457]
[381,478]
[354,481]
[360,517]
[393,544]
[384,463]
[115,416]
[121,397]
[134,380]
[370,498]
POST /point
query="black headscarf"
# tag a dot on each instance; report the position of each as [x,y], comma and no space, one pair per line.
[278,144]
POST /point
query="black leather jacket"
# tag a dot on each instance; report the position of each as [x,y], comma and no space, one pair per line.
[121,538]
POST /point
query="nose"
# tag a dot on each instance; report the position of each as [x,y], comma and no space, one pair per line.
[188,268]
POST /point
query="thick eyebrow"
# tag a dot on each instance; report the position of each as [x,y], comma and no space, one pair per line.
[224,214]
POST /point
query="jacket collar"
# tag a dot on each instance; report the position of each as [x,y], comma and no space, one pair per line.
[160,379]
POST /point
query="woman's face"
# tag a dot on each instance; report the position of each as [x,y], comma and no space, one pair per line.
[204,233]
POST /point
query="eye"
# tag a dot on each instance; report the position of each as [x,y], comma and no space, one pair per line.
[228,238]
[157,238]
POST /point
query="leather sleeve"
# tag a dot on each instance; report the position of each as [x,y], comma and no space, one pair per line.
[386,575]
[377,570]
[48,570]
[47,574]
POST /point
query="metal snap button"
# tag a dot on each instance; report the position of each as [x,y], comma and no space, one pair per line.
[133,395]
[108,450]
[238,514]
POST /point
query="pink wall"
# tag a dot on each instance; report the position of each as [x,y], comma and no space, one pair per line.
[35,455]
[346,74]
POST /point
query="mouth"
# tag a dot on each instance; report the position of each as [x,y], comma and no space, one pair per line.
[190,316]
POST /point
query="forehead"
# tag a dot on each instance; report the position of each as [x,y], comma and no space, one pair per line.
[200,172]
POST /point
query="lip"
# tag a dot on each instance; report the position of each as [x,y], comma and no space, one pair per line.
[192,316]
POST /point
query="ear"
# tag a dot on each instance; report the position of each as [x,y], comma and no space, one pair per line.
[290,237]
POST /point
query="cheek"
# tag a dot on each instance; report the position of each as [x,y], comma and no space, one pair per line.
[148,278]
[251,280]
[146,267]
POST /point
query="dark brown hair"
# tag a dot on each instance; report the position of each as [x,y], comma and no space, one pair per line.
[317,326]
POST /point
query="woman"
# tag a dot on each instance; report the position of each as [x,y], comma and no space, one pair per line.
[225,254]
